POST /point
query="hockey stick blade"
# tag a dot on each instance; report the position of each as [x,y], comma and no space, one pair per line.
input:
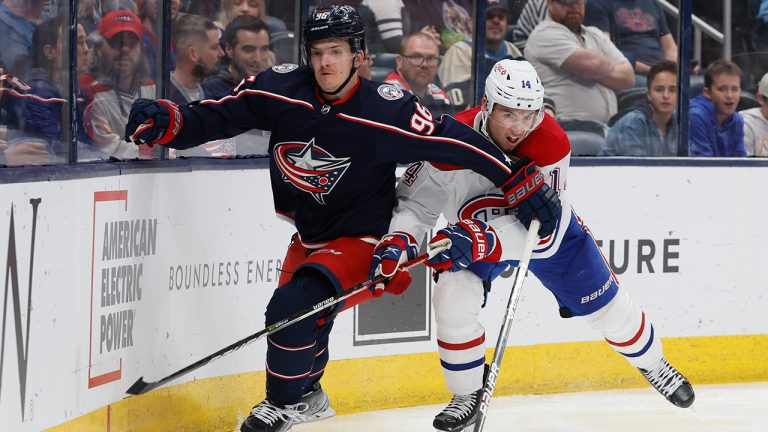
[514,296]
[141,386]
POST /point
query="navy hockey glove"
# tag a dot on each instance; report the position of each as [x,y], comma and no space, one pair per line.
[153,122]
[393,249]
[533,198]
[470,240]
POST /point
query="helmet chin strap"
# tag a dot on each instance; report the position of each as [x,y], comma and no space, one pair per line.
[346,81]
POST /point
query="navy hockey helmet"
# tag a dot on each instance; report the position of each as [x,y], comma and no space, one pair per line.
[334,22]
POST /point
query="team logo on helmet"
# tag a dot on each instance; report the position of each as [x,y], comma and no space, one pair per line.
[310,168]
[390,92]
[285,67]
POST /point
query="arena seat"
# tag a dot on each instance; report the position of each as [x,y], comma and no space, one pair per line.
[378,73]
[585,143]
[748,100]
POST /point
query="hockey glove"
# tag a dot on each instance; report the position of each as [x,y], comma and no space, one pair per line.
[533,198]
[153,122]
[470,240]
[393,249]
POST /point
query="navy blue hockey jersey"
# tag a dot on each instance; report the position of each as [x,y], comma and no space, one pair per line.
[332,165]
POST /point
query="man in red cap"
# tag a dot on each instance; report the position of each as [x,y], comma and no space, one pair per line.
[121,76]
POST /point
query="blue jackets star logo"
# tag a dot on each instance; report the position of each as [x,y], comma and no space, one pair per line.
[309,167]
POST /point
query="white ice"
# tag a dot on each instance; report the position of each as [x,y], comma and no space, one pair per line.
[718,408]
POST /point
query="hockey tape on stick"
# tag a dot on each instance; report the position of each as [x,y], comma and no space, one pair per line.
[141,386]
[514,296]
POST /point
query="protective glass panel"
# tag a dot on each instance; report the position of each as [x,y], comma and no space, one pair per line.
[120,65]
[34,76]
[212,56]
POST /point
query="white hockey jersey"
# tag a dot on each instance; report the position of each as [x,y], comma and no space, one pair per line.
[427,189]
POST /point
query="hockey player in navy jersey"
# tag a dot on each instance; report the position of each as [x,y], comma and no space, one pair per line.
[336,141]
[567,262]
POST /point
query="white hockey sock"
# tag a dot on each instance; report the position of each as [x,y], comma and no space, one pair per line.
[457,302]
[628,330]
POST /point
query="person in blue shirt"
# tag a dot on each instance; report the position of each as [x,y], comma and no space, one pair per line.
[648,129]
[716,129]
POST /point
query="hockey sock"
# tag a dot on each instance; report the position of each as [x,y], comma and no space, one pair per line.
[457,302]
[292,351]
[628,330]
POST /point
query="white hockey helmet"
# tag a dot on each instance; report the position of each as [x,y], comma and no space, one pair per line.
[514,84]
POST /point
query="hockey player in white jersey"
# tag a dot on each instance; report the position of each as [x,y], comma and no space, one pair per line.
[567,262]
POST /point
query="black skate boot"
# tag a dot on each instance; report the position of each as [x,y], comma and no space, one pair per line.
[670,383]
[460,413]
[313,406]
[269,417]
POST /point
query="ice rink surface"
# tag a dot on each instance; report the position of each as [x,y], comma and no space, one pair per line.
[718,408]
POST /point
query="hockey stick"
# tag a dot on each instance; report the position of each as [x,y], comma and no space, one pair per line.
[141,386]
[514,296]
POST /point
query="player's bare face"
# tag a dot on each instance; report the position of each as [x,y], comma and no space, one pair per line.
[251,54]
[724,94]
[508,126]
[663,93]
[332,61]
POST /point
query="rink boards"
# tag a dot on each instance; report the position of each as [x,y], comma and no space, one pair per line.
[111,278]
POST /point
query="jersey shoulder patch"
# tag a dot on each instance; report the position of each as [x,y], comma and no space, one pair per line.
[390,92]
[285,67]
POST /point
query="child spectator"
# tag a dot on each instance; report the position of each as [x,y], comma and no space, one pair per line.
[716,128]
[649,129]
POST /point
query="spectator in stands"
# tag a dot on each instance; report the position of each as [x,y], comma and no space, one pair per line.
[246,45]
[449,21]
[39,104]
[15,147]
[756,122]
[18,19]
[534,12]
[198,53]
[386,16]
[637,27]
[456,68]
[649,129]
[120,78]
[234,8]
[716,128]
[579,67]
[416,69]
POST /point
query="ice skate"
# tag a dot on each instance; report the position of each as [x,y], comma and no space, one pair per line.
[269,417]
[317,406]
[670,383]
[460,413]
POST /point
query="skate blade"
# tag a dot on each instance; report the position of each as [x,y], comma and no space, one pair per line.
[315,417]
[468,428]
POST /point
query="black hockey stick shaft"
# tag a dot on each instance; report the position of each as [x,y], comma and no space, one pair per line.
[514,297]
[141,386]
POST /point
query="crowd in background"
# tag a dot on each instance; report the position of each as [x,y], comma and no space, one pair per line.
[608,67]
